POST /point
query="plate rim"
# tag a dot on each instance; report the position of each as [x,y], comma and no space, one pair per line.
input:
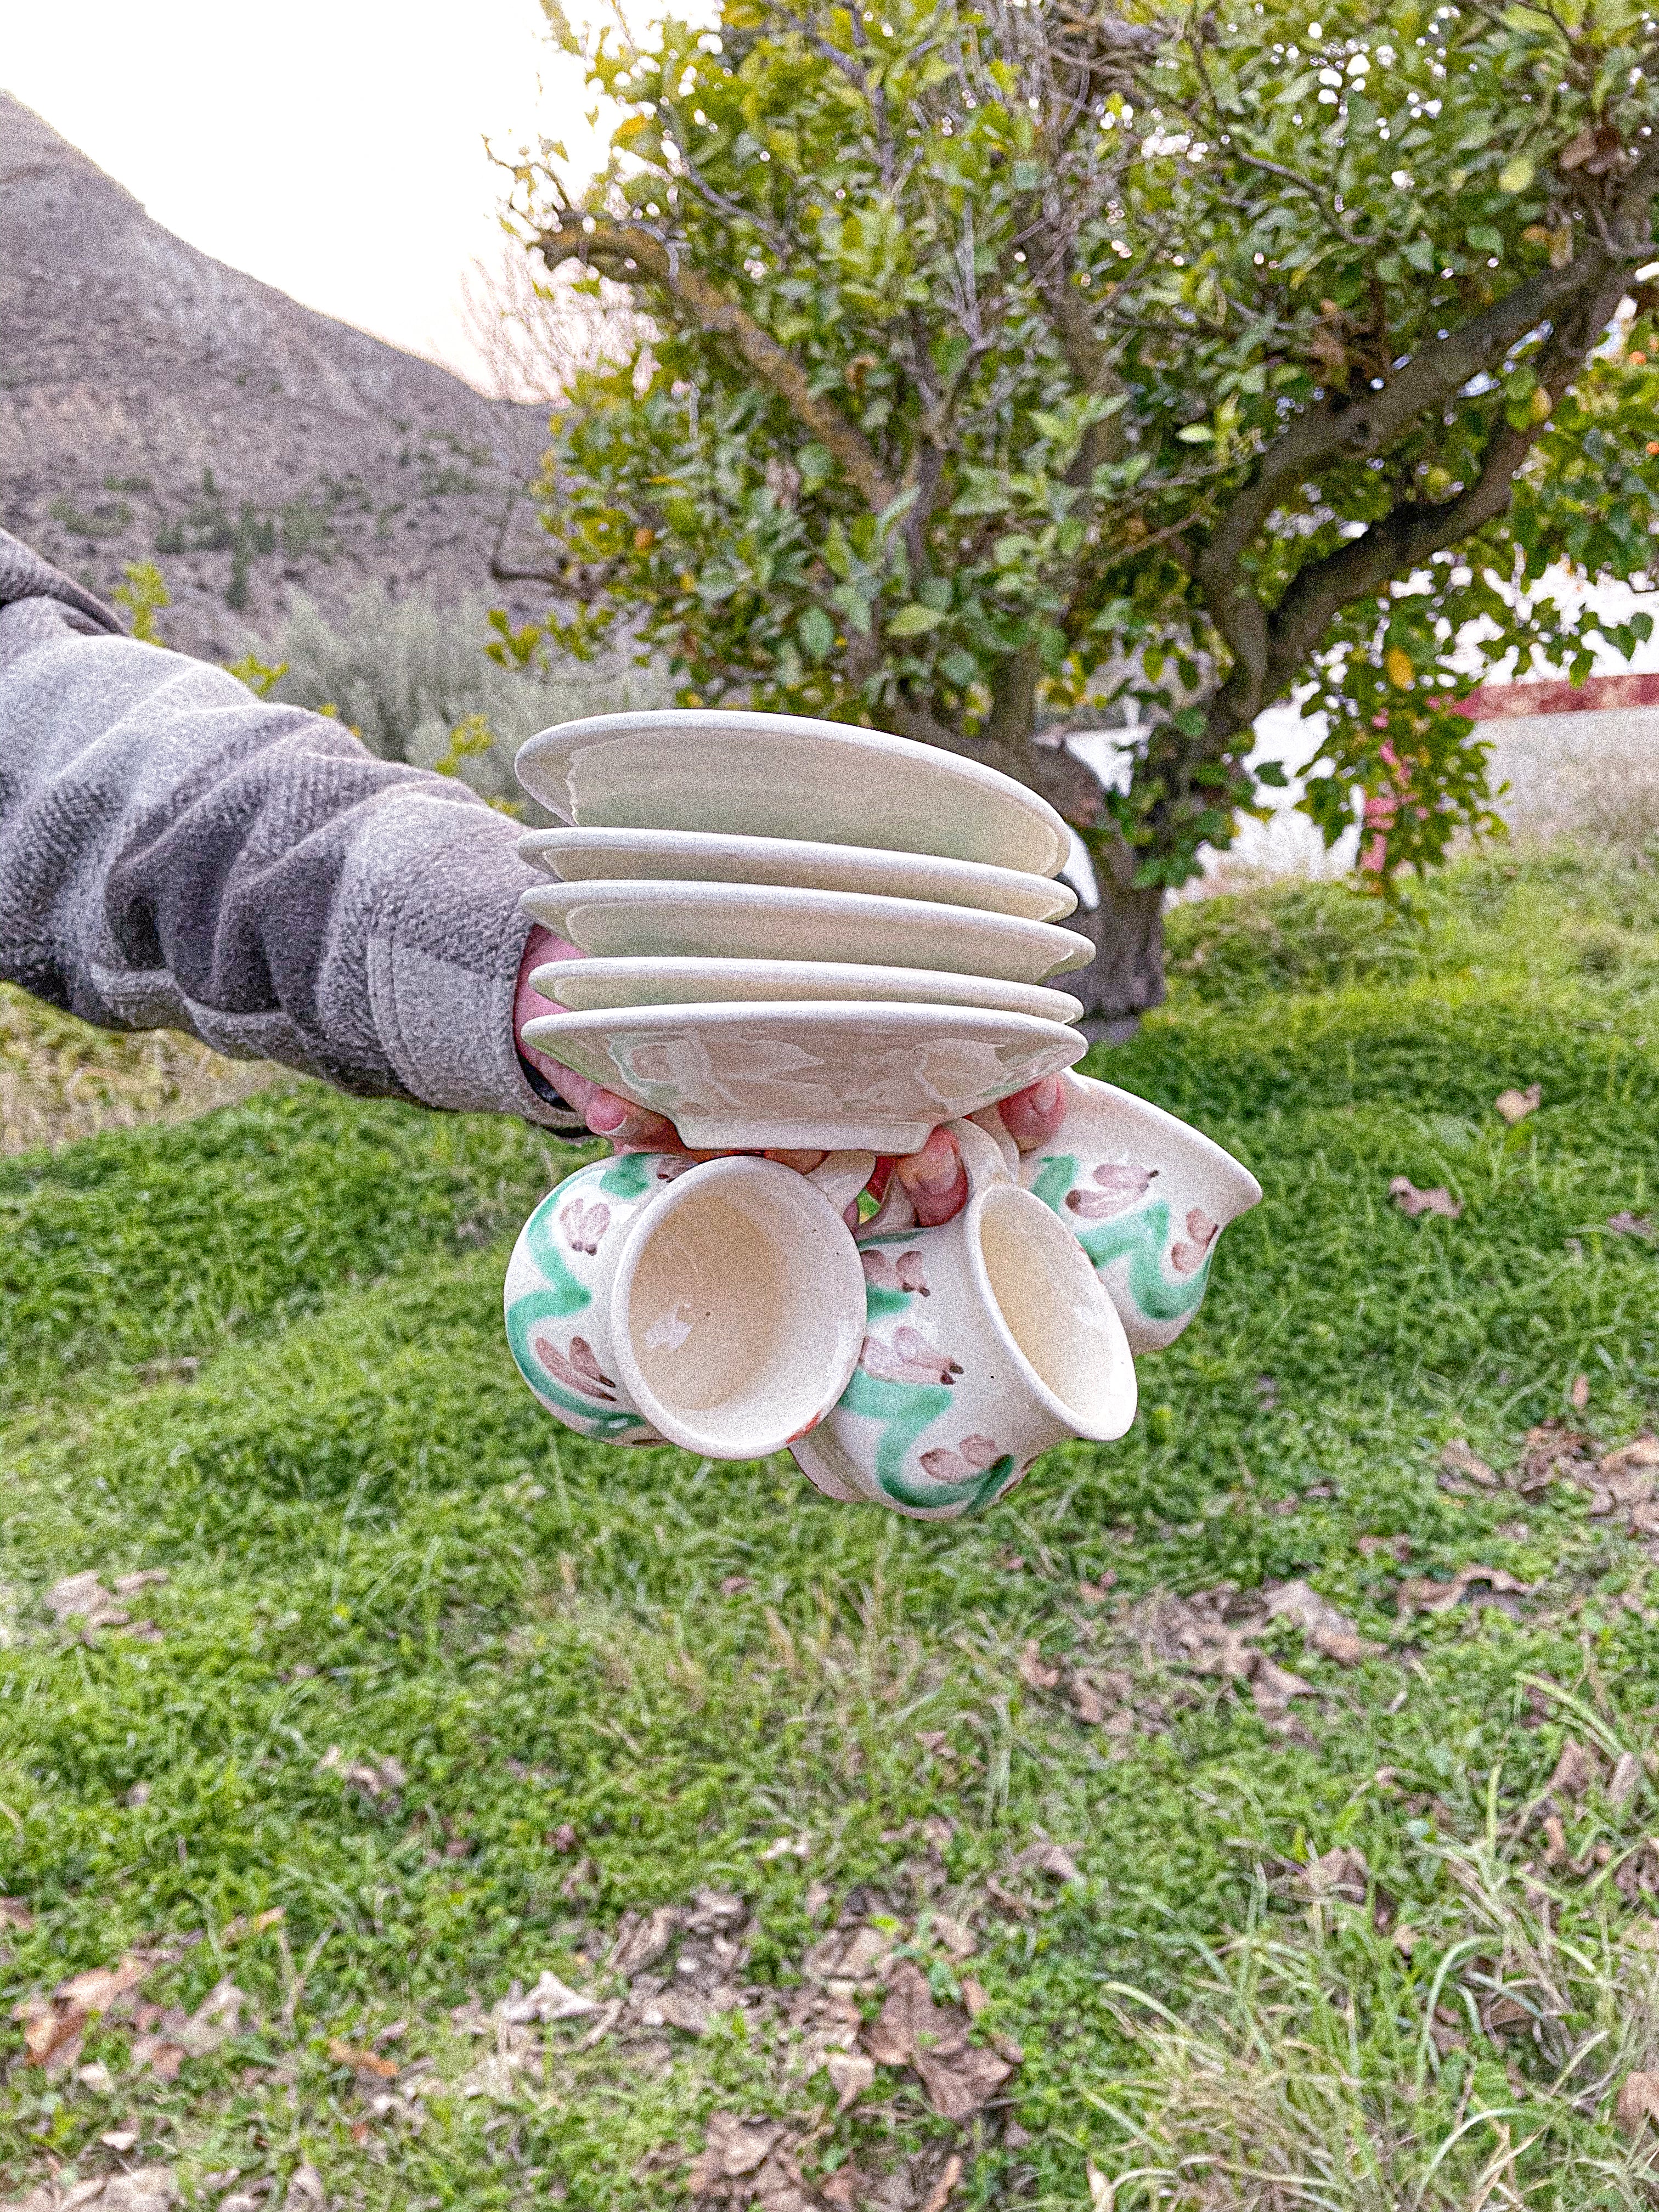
[542,745]
[535,841]
[918,978]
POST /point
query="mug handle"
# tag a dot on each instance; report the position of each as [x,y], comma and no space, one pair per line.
[982,1156]
[842,1176]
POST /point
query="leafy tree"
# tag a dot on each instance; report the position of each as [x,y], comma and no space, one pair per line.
[1012,362]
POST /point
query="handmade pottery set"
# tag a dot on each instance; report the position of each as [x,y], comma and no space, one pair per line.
[804,936]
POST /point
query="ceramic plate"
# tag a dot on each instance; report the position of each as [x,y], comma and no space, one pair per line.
[855,1075]
[589,986]
[745,922]
[781,775]
[698,856]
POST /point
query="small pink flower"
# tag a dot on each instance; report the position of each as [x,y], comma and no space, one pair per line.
[903,1275]
[1117,1187]
[971,1457]
[908,1359]
[1202,1232]
[579,1370]
[584,1225]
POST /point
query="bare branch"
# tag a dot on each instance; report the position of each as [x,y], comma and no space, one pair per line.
[611,247]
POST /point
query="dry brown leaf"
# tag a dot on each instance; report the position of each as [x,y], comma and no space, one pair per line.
[1035,1671]
[150,2189]
[235,1931]
[306,2192]
[1516,1105]
[1044,1857]
[1413,1201]
[641,1940]
[213,2020]
[1575,1770]
[850,2075]
[974,1995]
[732,2149]
[958,2076]
[1096,1593]
[1627,1223]
[1503,2013]
[1638,2103]
[1594,150]
[1087,1703]
[1579,1393]
[362,2062]
[1457,1459]
[14,1913]
[946,2187]
[955,1935]
[549,2000]
[1341,1873]
[1328,1631]
[1626,1773]
[1422,1594]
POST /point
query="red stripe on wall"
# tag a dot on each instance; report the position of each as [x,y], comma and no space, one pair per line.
[1596,693]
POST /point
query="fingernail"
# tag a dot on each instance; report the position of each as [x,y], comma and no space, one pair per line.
[606,1115]
[1047,1095]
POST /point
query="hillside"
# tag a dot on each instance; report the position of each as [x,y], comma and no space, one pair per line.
[155,404]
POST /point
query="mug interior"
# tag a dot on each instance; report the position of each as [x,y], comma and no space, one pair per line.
[1052,1305]
[740,1308]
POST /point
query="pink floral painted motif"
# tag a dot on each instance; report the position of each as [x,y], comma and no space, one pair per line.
[908,1359]
[904,1274]
[578,1370]
[1116,1189]
[1190,1253]
[584,1225]
[971,1457]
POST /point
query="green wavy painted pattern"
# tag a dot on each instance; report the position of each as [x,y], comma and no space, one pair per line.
[1141,1237]
[563,1297]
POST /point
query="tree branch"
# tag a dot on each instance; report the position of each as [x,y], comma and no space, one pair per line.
[610,246]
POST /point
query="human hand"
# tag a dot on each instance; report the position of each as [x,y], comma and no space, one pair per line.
[934,1178]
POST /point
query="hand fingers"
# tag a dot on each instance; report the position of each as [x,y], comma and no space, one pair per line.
[1033,1116]
[935,1179]
[629,1128]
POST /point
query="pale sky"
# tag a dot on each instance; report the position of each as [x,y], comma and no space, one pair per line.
[333,147]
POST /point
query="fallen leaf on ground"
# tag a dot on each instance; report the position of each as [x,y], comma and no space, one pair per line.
[233,1931]
[1096,1593]
[1411,1200]
[1422,1594]
[362,2061]
[1579,1393]
[787,1847]
[374,1778]
[1516,1105]
[1627,1223]
[1087,1703]
[14,1913]
[946,2187]
[1341,1873]
[121,2140]
[850,2075]
[1044,1857]
[549,2000]
[1457,1459]
[642,1939]
[306,2192]
[912,2030]
[1626,1773]
[1638,2103]
[150,2189]
[1102,2192]
[1328,1631]
[1575,1770]
[1035,1671]
[955,1935]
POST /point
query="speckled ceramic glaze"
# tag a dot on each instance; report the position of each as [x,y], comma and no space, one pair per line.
[986,1340]
[718,1306]
[1146,1196]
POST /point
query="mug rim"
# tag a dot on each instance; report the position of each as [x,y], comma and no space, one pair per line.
[795,1189]
[1068,1416]
[1208,1151]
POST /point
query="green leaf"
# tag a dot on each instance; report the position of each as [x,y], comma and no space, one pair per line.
[1484,239]
[1516,174]
[1196,434]
[959,668]
[816,632]
[913,620]
[1028,175]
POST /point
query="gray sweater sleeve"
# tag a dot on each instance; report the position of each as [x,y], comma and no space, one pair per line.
[177,854]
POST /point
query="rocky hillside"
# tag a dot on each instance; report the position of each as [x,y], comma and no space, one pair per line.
[157,405]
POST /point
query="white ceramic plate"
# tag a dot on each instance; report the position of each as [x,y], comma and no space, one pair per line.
[854,1076]
[747,922]
[577,856]
[782,775]
[590,986]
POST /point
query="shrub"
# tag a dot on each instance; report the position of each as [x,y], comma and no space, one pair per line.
[404,674]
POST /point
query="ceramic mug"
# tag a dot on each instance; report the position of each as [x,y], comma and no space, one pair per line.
[718,1306]
[986,1339]
[1146,1196]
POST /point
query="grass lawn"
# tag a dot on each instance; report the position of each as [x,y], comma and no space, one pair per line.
[488,1818]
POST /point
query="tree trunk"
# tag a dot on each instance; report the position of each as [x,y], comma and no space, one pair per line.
[1125,977]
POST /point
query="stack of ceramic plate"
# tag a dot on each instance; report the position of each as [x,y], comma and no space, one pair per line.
[799,934]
